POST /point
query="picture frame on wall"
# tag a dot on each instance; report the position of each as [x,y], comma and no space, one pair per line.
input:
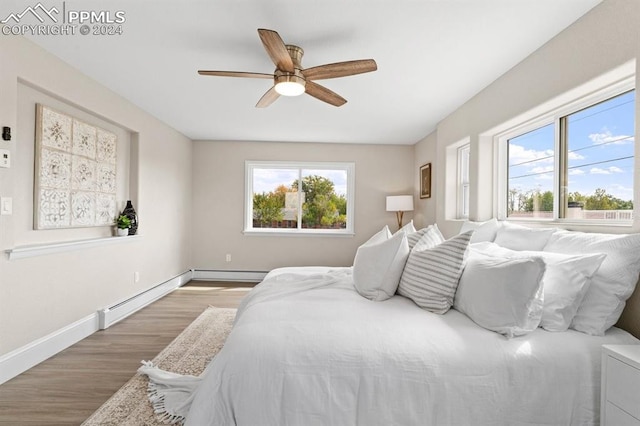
[425,181]
[75,178]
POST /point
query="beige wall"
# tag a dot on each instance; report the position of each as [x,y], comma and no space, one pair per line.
[605,38]
[42,294]
[218,200]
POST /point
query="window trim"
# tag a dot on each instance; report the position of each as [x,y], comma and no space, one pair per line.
[462,183]
[251,165]
[554,116]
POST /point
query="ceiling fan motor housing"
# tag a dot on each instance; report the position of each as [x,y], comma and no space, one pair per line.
[295,78]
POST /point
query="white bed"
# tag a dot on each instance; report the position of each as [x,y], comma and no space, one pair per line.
[503,330]
[307,349]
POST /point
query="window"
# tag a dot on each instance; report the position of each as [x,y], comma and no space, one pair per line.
[531,173]
[463,181]
[294,198]
[576,163]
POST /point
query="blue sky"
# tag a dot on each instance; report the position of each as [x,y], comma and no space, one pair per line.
[266,180]
[601,148]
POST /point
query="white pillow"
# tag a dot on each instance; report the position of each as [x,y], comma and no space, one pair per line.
[518,237]
[378,266]
[483,231]
[502,294]
[382,235]
[408,228]
[431,275]
[611,285]
[565,282]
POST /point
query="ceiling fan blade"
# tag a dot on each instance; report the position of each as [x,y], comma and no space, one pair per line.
[276,49]
[340,69]
[268,98]
[235,74]
[324,94]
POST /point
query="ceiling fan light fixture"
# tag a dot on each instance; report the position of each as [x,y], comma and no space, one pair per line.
[290,79]
[289,85]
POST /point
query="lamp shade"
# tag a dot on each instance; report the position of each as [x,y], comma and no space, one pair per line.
[400,203]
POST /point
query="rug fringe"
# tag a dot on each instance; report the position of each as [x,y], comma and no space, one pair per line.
[157,402]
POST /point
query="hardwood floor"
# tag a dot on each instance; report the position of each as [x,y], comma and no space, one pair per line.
[69,387]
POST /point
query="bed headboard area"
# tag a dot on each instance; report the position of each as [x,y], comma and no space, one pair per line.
[616,274]
[630,319]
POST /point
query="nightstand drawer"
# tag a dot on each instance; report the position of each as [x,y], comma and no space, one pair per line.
[622,386]
[617,417]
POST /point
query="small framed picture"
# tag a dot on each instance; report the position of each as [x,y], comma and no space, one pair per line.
[425,181]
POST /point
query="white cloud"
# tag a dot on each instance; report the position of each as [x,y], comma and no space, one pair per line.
[574,156]
[607,171]
[598,171]
[606,137]
[543,172]
[518,154]
[575,172]
[620,191]
[545,169]
[266,180]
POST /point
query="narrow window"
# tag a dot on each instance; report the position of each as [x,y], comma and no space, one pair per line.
[463,181]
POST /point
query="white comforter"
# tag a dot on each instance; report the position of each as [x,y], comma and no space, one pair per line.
[306,350]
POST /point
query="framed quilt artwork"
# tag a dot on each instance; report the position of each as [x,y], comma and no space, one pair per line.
[75,172]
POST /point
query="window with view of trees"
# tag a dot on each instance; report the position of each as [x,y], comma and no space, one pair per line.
[295,197]
[578,165]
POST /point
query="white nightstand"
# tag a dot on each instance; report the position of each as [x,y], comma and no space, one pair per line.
[620,393]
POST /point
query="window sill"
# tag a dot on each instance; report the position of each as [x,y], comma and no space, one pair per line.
[296,233]
[22,252]
[574,223]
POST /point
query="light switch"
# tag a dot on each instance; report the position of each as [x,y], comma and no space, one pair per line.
[5,160]
[6,205]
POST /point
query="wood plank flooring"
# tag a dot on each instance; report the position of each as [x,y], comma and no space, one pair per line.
[69,387]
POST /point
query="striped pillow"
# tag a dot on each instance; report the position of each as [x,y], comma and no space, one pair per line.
[430,277]
[434,236]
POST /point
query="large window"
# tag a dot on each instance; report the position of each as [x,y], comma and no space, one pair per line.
[574,164]
[299,197]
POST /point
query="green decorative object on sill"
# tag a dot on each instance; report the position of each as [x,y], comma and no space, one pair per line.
[123,225]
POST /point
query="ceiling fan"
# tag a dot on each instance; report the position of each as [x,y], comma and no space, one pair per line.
[290,79]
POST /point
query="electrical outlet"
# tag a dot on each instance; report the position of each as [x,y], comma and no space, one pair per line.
[228,257]
[136,277]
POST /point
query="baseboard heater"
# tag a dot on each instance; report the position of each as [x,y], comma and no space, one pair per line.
[111,315]
[228,275]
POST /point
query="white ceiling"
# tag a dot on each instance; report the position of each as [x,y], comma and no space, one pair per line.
[432,57]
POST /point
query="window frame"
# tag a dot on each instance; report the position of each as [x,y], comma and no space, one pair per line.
[463,182]
[251,165]
[557,117]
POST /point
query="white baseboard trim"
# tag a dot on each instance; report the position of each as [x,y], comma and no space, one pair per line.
[222,275]
[119,311]
[22,359]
